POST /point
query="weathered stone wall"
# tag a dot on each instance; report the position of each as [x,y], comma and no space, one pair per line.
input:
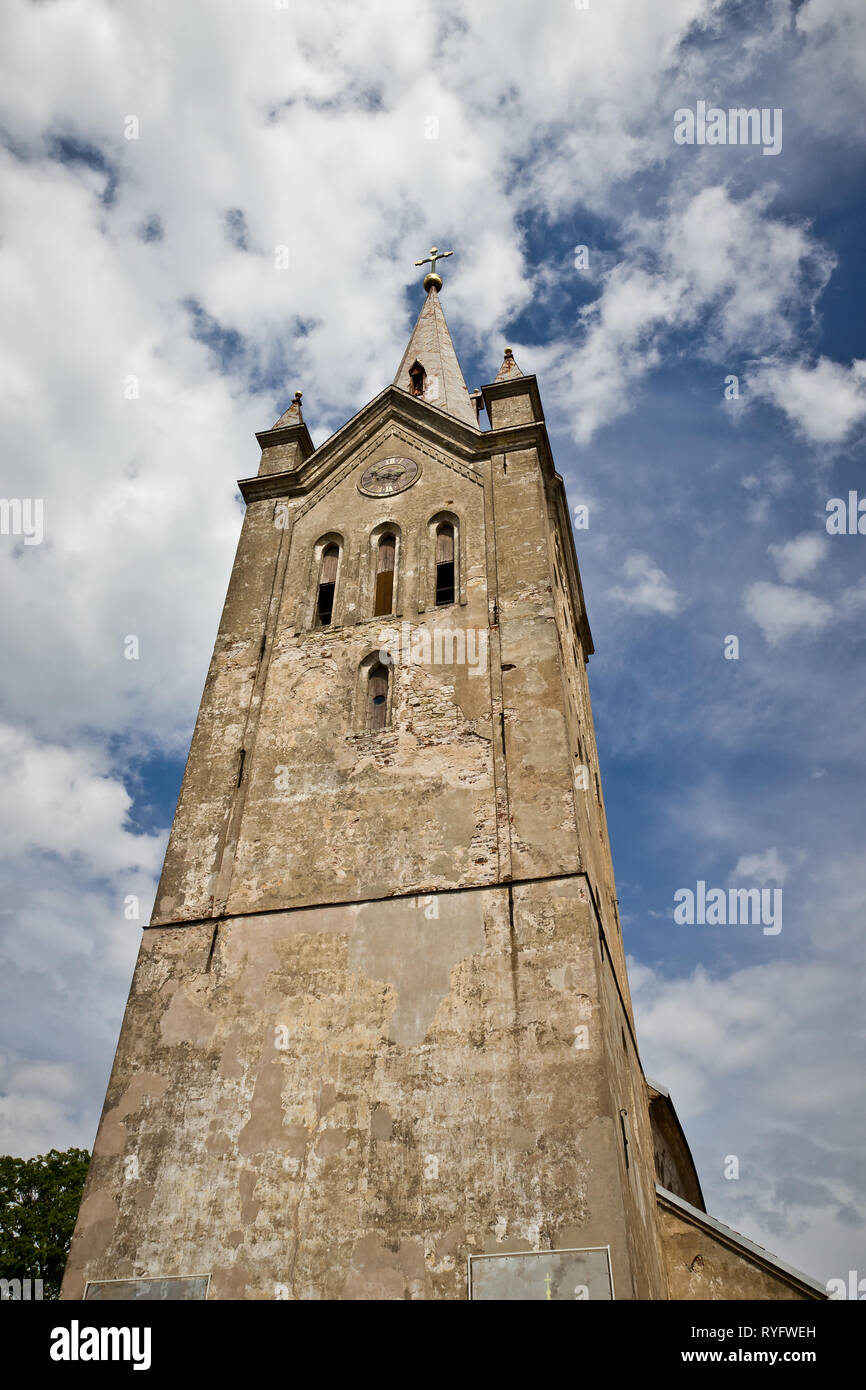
[538,759]
[592,833]
[475,779]
[634,1139]
[702,1265]
[348,1101]
[353,814]
[188,883]
[326,1086]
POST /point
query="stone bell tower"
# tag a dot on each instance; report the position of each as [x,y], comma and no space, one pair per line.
[379,1029]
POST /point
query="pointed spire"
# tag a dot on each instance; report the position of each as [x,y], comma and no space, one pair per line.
[287,444]
[430,347]
[293,415]
[509,367]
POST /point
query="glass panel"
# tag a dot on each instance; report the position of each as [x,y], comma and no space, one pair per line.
[184,1288]
[568,1275]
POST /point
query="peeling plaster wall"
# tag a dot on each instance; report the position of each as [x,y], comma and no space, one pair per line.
[540,780]
[348,1101]
[634,1154]
[188,880]
[362,815]
[381,1019]
[590,816]
[703,1266]
[474,780]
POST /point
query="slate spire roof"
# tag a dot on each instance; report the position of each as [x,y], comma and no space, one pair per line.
[430,345]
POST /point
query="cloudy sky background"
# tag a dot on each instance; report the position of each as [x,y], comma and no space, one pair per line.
[307,126]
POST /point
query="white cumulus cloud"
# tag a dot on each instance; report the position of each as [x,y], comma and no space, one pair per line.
[796,558]
[825,402]
[649,589]
[781,611]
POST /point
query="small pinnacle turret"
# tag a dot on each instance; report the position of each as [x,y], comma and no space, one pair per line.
[509,367]
[292,416]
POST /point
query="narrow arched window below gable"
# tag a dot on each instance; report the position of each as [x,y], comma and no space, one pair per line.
[417,379]
[445,568]
[377,697]
[327,585]
[386,553]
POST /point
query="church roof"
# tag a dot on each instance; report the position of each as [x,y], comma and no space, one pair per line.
[431,346]
[733,1238]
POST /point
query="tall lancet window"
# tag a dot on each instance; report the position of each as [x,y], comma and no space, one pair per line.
[444,563]
[386,553]
[377,698]
[327,585]
[417,377]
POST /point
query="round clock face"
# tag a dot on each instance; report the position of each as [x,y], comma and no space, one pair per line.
[388,476]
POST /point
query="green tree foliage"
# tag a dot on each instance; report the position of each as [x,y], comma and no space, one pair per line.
[39,1200]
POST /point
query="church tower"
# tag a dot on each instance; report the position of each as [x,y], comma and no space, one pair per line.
[379,1041]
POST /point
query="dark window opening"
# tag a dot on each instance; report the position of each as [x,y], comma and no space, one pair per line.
[417,376]
[444,584]
[327,586]
[385,558]
[622,1116]
[377,697]
[325,605]
[445,564]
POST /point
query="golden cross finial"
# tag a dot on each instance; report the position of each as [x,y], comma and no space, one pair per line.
[431,279]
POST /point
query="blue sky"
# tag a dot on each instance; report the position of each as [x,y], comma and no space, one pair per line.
[148,334]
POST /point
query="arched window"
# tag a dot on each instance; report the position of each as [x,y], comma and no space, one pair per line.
[417,376]
[377,698]
[444,563]
[386,552]
[327,585]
